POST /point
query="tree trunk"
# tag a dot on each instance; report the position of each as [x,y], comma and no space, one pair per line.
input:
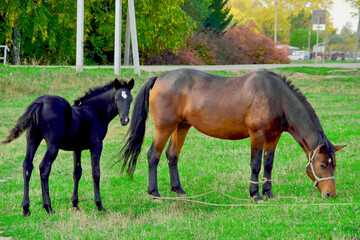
[16,46]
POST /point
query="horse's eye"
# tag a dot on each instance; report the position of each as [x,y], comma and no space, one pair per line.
[322,165]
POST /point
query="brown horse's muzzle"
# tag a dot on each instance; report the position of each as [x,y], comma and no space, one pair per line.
[327,188]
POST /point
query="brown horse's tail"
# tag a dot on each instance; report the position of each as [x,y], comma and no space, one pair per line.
[129,153]
[31,114]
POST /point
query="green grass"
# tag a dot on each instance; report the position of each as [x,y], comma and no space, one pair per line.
[206,164]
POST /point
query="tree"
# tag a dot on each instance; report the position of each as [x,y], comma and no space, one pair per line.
[198,10]
[161,25]
[299,38]
[219,18]
[262,13]
[301,19]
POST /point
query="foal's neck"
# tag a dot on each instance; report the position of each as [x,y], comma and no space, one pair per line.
[104,106]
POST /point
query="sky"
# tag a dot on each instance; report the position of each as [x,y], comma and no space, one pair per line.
[340,14]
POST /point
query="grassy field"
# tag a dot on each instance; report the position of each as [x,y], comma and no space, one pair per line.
[207,165]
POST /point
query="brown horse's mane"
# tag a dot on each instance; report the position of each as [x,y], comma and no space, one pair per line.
[320,136]
[117,83]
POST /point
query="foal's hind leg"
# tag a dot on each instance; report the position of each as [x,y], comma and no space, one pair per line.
[172,154]
[33,141]
[76,176]
[45,169]
[269,152]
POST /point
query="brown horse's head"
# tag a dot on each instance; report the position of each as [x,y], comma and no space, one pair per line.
[321,168]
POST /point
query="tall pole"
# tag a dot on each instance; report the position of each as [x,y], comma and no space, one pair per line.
[127,41]
[309,40]
[357,40]
[276,16]
[134,41]
[80,36]
[117,53]
[317,39]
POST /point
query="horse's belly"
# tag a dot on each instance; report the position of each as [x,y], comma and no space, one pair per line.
[224,128]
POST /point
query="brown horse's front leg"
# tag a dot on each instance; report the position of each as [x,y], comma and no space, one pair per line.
[255,169]
[153,162]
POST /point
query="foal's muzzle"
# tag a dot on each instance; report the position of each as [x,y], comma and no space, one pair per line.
[124,120]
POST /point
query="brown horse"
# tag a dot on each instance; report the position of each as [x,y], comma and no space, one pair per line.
[260,105]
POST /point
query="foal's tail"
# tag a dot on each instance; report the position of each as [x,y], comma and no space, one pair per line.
[31,114]
[135,135]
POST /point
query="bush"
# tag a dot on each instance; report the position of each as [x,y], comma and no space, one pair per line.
[238,45]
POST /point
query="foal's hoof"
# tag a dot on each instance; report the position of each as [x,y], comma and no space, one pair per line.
[100,207]
[49,210]
[76,208]
[26,212]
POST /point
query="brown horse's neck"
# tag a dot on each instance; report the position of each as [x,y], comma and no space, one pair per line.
[304,127]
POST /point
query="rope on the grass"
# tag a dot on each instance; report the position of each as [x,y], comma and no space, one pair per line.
[190,199]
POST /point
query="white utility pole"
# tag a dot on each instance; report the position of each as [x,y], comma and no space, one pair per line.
[80,36]
[134,41]
[117,51]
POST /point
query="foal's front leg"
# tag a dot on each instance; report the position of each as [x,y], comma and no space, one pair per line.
[95,164]
[76,176]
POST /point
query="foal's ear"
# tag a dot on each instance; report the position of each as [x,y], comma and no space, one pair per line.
[339,147]
[131,84]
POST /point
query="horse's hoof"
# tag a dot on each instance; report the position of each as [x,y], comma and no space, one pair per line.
[156,199]
[258,199]
[269,195]
[179,191]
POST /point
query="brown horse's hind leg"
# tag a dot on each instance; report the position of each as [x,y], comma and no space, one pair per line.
[269,152]
[257,143]
[172,154]
[154,153]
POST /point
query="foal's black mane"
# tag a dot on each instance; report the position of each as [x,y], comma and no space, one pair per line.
[117,83]
[321,137]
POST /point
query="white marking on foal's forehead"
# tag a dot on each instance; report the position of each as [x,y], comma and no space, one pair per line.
[123,94]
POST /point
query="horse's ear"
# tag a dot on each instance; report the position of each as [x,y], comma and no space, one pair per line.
[131,84]
[339,147]
[322,148]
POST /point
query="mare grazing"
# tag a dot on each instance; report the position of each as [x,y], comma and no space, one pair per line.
[72,128]
[260,105]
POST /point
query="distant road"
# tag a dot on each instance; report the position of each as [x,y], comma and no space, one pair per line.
[158,68]
[231,68]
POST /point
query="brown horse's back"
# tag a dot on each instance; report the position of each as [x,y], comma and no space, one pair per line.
[203,100]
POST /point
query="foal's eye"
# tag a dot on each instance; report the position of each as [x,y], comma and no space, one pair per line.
[322,165]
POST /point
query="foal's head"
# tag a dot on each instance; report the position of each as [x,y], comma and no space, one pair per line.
[321,168]
[123,98]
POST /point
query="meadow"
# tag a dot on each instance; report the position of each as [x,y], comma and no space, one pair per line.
[216,172]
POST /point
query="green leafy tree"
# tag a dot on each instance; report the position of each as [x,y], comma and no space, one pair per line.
[301,19]
[198,10]
[39,30]
[300,37]
[161,25]
[219,18]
